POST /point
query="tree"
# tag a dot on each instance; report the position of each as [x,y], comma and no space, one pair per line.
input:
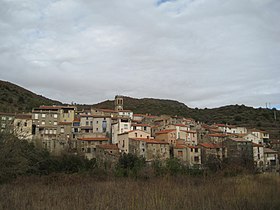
[129,165]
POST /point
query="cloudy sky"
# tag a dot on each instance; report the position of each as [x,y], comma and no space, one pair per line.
[205,53]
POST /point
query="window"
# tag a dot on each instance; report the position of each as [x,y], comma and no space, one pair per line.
[18,124]
[86,122]
[61,130]
[96,122]
[50,122]
[25,124]
[55,123]
[46,131]
[3,118]
[180,153]
[36,116]
[43,123]
[196,159]
[196,150]
[51,131]
[96,129]
[43,115]
[55,116]
[54,131]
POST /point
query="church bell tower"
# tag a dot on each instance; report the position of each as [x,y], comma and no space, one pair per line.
[118,103]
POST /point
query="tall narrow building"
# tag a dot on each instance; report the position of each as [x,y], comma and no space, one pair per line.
[118,103]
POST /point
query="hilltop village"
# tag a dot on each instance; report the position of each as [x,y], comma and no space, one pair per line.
[106,134]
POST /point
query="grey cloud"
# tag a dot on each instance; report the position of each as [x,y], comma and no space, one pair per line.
[203,53]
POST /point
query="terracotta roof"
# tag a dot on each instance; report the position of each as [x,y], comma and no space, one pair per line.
[149,141]
[77,120]
[125,110]
[267,150]
[218,135]
[165,131]
[7,114]
[56,107]
[220,125]
[211,145]
[93,139]
[181,125]
[107,110]
[180,146]
[257,145]
[239,139]
[24,116]
[138,115]
[193,147]
[108,146]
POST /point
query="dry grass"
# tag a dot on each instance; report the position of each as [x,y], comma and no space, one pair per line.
[85,192]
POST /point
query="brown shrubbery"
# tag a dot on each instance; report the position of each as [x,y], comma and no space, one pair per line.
[61,191]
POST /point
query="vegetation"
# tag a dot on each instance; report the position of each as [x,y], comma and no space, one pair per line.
[242,115]
[17,99]
[32,179]
[259,192]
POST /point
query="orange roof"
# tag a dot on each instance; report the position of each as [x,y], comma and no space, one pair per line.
[210,145]
[181,125]
[77,120]
[257,145]
[149,141]
[180,146]
[192,147]
[107,110]
[125,110]
[220,125]
[239,139]
[56,107]
[23,116]
[166,131]
[138,115]
[218,135]
[108,146]
[93,139]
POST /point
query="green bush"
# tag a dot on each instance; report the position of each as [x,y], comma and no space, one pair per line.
[129,165]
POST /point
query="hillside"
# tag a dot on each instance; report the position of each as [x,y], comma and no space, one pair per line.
[233,114]
[14,98]
[17,99]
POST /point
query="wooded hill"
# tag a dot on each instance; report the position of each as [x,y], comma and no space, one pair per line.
[14,98]
[242,115]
